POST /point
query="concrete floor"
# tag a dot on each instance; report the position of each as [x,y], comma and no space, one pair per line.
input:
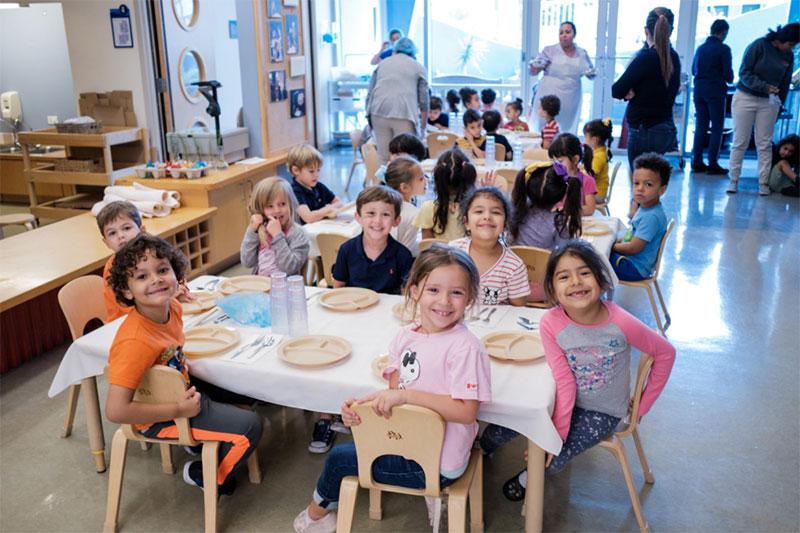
[723,440]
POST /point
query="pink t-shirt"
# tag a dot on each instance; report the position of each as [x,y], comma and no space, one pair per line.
[507,278]
[588,186]
[452,362]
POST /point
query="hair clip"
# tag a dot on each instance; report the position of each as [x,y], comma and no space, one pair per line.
[607,122]
[530,169]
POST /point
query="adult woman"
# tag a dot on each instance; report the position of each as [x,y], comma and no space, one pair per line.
[563,65]
[763,85]
[398,94]
[650,85]
[386,48]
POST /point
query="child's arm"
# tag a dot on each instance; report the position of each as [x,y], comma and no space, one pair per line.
[308,216]
[633,247]
[451,409]
[787,170]
[566,387]
[121,409]
[477,152]
[248,251]
[340,270]
[291,251]
[589,205]
[427,233]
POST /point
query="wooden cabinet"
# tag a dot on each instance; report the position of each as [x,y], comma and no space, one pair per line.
[14,184]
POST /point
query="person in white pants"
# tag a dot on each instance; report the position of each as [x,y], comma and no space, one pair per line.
[752,111]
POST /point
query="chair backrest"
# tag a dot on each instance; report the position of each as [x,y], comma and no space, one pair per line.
[424,244]
[536,154]
[413,432]
[355,139]
[661,246]
[329,244]
[645,363]
[611,181]
[370,154]
[162,384]
[81,300]
[507,175]
[499,152]
[535,260]
[439,142]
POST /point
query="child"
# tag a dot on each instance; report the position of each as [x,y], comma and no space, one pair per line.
[472,140]
[452,101]
[549,107]
[504,278]
[437,119]
[405,175]
[597,134]
[453,176]
[315,200]
[783,176]
[491,121]
[272,241]
[634,255]
[373,259]
[469,98]
[454,379]
[567,150]
[406,144]
[488,96]
[119,223]
[513,112]
[145,275]
[587,343]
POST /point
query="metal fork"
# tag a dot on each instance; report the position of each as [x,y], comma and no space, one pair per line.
[268,341]
[256,342]
[489,314]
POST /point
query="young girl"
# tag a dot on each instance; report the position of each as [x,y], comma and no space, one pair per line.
[513,112]
[453,176]
[597,134]
[453,99]
[404,175]
[272,241]
[783,176]
[568,150]
[453,378]
[587,342]
[504,278]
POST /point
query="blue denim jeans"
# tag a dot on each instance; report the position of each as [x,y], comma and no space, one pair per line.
[389,469]
[624,268]
[708,110]
[659,138]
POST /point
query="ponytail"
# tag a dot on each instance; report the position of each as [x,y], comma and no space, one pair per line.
[569,218]
[659,24]
[586,159]
[519,203]
[453,175]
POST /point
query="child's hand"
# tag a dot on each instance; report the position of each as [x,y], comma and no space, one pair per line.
[330,211]
[384,401]
[336,202]
[630,95]
[256,221]
[349,417]
[184,294]
[274,227]
[488,178]
[548,458]
[771,89]
[189,405]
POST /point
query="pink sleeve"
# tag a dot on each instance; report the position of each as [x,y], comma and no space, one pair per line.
[469,374]
[566,388]
[589,185]
[647,341]
[395,347]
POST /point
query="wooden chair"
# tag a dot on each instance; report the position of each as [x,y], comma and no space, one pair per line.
[355,138]
[535,154]
[424,244]
[329,244]
[505,178]
[499,152]
[439,142]
[603,205]
[652,281]
[17,219]
[81,301]
[415,433]
[370,154]
[162,384]
[535,260]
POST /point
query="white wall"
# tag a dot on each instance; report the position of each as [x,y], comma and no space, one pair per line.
[226,58]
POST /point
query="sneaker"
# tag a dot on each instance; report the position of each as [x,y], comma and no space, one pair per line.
[304,524]
[514,488]
[764,190]
[733,186]
[194,451]
[338,426]
[323,437]
[699,167]
[716,170]
[193,475]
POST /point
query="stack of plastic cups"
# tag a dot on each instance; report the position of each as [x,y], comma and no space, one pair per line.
[490,152]
[298,312]
[279,303]
[455,123]
[517,158]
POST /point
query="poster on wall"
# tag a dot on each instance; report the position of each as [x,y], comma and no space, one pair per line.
[298,99]
[292,35]
[275,41]
[273,8]
[277,86]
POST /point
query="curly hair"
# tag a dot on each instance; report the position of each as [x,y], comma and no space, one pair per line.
[654,163]
[551,104]
[133,252]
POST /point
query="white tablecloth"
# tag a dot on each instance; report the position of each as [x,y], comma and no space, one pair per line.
[522,395]
[344,225]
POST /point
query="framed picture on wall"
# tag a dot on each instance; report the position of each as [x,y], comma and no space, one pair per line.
[298,101]
[273,8]
[275,41]
[277,86]
[290,3]
[292,35]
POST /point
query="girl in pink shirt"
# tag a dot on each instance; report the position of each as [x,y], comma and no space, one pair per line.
[436,363]
[587,343]
[568,150]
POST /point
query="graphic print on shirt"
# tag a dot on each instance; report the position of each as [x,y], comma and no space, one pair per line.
[491,295]
[592,366]
[173,358]
[409,368]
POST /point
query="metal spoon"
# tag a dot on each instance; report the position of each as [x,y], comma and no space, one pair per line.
[489,314]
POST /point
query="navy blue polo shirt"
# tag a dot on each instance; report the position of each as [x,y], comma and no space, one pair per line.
[386,274]
[315,198]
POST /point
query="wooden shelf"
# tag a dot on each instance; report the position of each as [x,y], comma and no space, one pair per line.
[109,136]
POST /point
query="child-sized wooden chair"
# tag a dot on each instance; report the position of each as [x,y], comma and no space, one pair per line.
[355,138]
[162,384]
[499,152]
[81,301]
[370,154]
[439,142]
[505,178]
[602,206]
[17,219]
[535,260]
[535,154]
[415,433]
[329,244]
[652,281]
[424,244]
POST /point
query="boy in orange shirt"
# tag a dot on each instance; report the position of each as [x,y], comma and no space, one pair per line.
[144,276]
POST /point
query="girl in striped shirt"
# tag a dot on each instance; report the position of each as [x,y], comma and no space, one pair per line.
[485,213]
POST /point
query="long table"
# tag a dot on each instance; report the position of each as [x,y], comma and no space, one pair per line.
[522,395]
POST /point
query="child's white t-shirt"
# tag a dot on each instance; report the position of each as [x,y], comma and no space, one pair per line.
[407,233]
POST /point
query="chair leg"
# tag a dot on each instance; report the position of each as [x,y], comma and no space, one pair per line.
[618,449]
[375,510]
[91,407]
[119,445]
[656,312]
[350,176]
[348,492]
[667,319]
[210,460]
[167,465]
[145,446]
[253,468]
[476,498]
[648,474]
[72,404]
[456,514]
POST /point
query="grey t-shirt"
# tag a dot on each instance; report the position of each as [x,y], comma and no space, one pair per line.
[539,229]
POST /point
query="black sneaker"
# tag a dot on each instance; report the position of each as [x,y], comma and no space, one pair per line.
[716,170]
[699,167]
[323,437]
[193,475]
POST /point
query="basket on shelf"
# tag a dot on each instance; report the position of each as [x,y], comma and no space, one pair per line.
[91,127]
[78,165]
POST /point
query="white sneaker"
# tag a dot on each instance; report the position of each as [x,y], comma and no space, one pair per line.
[304,524]
[733,187]
[764,190]
[338,426]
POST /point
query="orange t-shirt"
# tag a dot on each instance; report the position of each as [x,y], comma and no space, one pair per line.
[141,343]
[114,309]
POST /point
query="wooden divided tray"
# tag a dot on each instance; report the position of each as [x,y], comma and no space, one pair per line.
[595,229]
[205,301]
[378,364]
[209,340]
[244,284]
[403,313]
[514,346]
[349,299]
[314,350]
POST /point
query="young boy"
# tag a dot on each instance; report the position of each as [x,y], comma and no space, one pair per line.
[406,144]
[119,222]
[315,201]
[436,119]
[488,96]
[549,107]
[491,121]
[374,260]
[144,275]
[634,255]
[469,98]
[472,140]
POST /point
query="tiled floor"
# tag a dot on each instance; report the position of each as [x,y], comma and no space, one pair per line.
[723,440]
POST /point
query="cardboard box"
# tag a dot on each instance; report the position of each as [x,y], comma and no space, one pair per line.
[114,108]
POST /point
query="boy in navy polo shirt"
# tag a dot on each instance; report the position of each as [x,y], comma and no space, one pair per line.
[374,260]
[314,200]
